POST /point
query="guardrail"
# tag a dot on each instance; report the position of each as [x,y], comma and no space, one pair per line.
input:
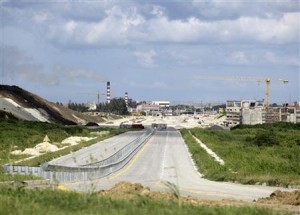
[123,152]
[63,174]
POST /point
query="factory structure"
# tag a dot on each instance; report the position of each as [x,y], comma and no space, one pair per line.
[251,112]
[126,99]
[248,112]
[108,92]
[153,106]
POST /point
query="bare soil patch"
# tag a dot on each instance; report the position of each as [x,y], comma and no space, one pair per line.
[279,200]
[283,198]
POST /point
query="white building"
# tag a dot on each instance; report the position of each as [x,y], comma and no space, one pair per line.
[249,112]
[162,104]
[147,107]
[233,112]
[91,106]
[252,112]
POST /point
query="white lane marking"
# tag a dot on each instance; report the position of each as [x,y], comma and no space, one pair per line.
[164,158]
[208,150]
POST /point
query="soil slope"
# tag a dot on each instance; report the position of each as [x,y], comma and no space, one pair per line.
[279,200]
[54,113]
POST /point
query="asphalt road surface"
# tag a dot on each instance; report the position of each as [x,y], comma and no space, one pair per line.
[98,151]
[164,158]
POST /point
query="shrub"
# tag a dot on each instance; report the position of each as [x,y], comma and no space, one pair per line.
[265,138]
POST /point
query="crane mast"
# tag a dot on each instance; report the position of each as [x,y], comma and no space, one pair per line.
[241,78]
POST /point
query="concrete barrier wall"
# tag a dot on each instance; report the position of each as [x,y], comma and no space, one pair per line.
[63,174]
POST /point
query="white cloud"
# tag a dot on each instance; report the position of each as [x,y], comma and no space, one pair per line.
[273,58]
[113,29]
[117,23]
[122,28]
[244,29]
[146,58]
[229,10]
[239,57]
[40,17]
[73,73]
[158,11]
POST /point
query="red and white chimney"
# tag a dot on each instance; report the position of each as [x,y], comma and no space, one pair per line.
[108,92]
[126,99]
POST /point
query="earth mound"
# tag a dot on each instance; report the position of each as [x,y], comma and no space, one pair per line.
[278,201]
[21,102]
[283,198]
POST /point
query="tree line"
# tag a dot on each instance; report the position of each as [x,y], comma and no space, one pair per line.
[116,106]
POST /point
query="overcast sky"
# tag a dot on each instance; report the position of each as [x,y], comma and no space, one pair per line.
[67,49]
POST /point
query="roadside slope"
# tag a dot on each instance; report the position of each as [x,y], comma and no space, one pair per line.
[28,106]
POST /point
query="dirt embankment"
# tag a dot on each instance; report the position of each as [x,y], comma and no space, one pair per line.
[55,113]
[282,198]
[29,100]
[279,201]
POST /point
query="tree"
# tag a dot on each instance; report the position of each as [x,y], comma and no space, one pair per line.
[116,106]
[80,107]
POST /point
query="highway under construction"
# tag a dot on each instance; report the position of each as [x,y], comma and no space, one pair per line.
[165,158]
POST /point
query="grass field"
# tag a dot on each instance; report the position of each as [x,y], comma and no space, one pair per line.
[264,153]
[23,202]
[15,134]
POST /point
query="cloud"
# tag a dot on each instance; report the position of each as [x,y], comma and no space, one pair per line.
[230,10]
[40,17]
[153,84]
[77,74]
[239,57]
[19,66]
[120,28]
[158,11]
[244,29]
[273,58]
[114,23]
[146,58]
[113,29]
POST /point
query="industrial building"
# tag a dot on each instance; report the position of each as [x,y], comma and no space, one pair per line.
[147,107]
[251,112]
[154,106]
[233,112]
[163,105]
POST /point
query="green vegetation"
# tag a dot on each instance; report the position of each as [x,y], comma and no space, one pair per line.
[205,163]
[116,106]
[51,155]
[21,201]
[253,154]
[19,135]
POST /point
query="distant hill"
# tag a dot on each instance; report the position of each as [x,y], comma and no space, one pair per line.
[28,106]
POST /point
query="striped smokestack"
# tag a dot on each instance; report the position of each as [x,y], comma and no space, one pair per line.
[108,92]
[126,99]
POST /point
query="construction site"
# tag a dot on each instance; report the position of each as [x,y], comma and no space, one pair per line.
[248,112]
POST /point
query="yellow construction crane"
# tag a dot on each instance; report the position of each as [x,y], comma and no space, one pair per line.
[241,78]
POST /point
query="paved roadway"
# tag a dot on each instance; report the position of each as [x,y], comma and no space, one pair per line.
[165,158]
[98,151]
